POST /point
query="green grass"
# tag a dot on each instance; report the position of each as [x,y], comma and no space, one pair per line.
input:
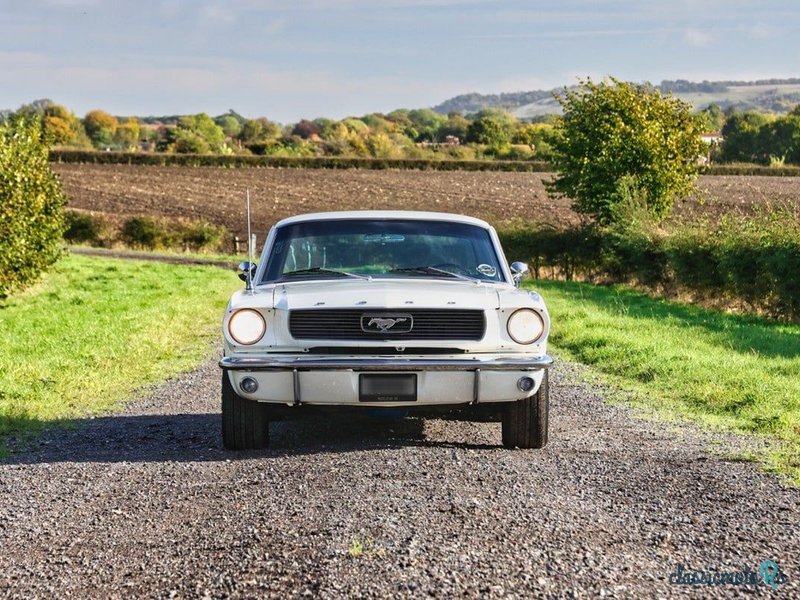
[94,330]
[231,258]
[717,369]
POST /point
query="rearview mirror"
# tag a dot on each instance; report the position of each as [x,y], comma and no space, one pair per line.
[518,270]
[244,268]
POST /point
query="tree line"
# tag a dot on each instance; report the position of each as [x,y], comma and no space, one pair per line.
[751,137]
[402,133]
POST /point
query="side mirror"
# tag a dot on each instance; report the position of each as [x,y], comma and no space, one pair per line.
[518,270]
[244,268]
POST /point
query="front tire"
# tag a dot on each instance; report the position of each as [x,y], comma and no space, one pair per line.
[525,421]
[245,425]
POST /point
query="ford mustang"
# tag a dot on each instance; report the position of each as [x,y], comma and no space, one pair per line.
[413,311]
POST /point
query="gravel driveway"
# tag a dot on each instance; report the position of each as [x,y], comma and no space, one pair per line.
[146,503]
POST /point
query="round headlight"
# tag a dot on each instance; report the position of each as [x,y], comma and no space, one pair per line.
[525,326]
[247,326]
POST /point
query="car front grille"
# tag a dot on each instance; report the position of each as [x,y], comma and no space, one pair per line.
[427,324]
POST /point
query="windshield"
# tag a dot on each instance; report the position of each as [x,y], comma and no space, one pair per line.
[382,248]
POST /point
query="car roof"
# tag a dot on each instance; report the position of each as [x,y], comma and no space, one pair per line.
[383,214]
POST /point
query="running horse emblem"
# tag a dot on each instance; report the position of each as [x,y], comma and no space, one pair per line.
[385,324]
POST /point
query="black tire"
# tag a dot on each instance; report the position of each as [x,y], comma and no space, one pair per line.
[525,421]
[245,423]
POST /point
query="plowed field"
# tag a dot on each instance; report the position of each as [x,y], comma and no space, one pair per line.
[501,198]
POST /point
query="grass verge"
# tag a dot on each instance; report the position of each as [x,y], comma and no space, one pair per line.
[719,370]
[219,260]
[94,330]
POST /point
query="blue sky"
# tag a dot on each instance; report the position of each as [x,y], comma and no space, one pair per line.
[292,59]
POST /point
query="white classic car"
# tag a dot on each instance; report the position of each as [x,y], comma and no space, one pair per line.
[384,309]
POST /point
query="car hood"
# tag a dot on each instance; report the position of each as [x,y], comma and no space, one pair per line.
[378,294]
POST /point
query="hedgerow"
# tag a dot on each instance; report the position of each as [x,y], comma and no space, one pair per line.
[336,162]
[145,233]
[289,162]
[752,264]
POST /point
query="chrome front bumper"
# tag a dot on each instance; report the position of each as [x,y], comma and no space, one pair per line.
[489,363]
[334,380]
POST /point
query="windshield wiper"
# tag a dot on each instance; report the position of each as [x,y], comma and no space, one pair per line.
[321,271]
[432,271]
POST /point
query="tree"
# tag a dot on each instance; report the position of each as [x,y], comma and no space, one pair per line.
[711,118]
[61,126]
[402,123]
[58,129]
[344,141]
[259,130]
[779,140]
[126,137]
[31,204]
[325,125]
[740,137]
[58,124]
[198,134]
[617,139]
[35,108]
[456,126]
[492,128]
[381,145]
[355,126]
[536,136]
[231,126]
[100,127]
[426,122]
[306,129]
[379,123]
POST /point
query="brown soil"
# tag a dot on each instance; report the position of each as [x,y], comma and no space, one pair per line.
[501,198]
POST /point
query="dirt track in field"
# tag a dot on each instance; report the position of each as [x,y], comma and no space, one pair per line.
[501,198]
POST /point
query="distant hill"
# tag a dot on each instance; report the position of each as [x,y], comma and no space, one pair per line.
[766,95]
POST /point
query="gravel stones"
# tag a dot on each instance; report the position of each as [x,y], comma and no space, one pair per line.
[146,503]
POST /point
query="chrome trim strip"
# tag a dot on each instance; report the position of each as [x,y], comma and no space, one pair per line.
[294,363]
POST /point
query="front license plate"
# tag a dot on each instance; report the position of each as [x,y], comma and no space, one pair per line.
[387,388]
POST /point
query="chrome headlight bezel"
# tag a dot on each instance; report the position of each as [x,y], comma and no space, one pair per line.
[525,326]
[247,326]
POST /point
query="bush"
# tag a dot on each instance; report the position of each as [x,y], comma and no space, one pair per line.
[145,232]
[554,253]
[86,228]
[152,234]
[202,235]
[31,205]
[616,130]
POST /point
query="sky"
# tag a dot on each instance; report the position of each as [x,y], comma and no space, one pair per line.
[288,60]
